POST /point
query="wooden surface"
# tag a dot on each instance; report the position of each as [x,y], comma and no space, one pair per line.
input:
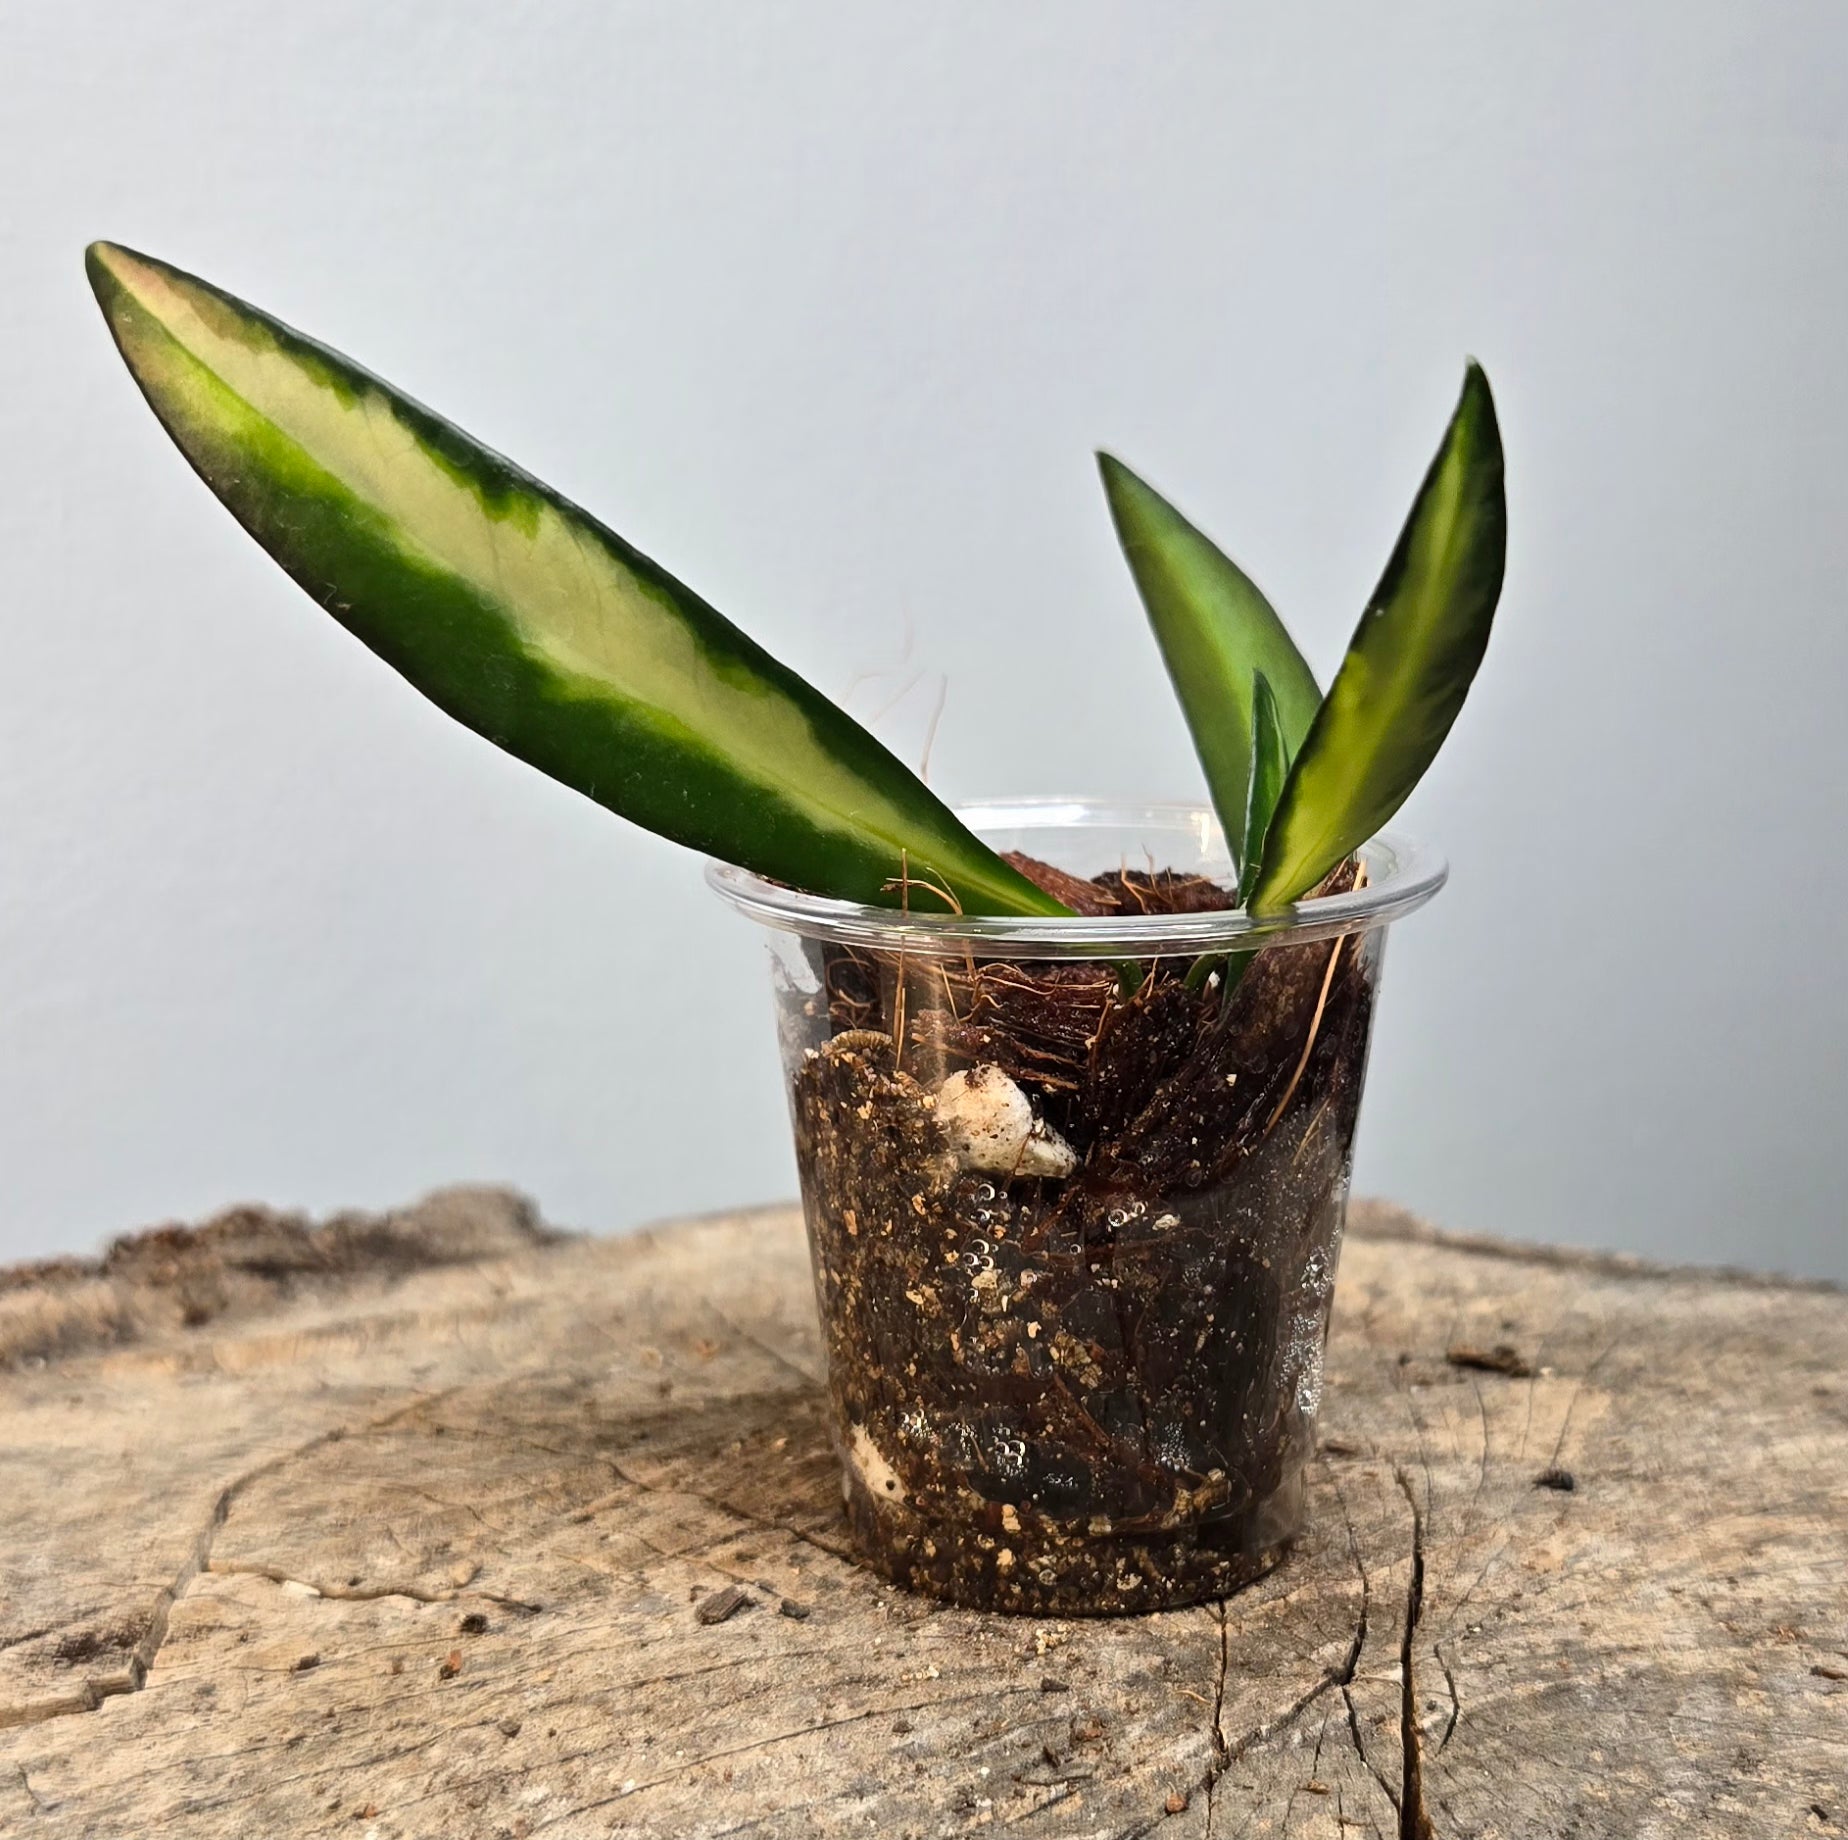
[404,1527]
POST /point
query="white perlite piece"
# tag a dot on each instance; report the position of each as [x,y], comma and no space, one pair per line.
[990,1126]
[881,1479]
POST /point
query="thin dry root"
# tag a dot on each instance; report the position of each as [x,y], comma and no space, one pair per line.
[905,883]
[1315,1024]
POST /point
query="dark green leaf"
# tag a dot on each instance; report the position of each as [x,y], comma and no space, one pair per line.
[1409,667]
[1270,763]
[1215,630]
[524,617]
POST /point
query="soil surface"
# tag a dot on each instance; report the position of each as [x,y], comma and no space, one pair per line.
[1089,1392]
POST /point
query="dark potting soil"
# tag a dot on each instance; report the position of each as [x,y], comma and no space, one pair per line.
[1094,1392]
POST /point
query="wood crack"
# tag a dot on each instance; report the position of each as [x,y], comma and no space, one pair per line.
[1414,1821]
[1222,1752]
[92,1693]
[365,1593]
[1351,1667]
[1227,1751]
[1360,1747]
[1220,1747]
[1456,1705]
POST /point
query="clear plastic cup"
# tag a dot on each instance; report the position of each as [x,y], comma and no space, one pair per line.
[1075,1191]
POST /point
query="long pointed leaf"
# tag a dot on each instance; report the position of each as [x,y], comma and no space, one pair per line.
[522,616]
[1215,628]
[1409,666]
[1270,766]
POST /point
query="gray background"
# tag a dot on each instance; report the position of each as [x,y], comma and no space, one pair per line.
[825,306]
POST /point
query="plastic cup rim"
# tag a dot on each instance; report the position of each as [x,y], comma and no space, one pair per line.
[1402,875]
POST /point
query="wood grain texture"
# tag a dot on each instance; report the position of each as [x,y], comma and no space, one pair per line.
[402,1527]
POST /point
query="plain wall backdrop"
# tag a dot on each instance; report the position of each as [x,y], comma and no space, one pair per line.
[825,306]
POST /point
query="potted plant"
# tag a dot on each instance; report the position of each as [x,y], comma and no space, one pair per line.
[1074,1085]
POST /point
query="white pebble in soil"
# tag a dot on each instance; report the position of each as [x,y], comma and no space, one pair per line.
[990,1126]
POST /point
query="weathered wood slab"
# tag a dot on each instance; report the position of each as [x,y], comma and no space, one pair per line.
[403,1527]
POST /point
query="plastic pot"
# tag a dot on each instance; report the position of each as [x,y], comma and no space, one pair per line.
[1075,1191]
